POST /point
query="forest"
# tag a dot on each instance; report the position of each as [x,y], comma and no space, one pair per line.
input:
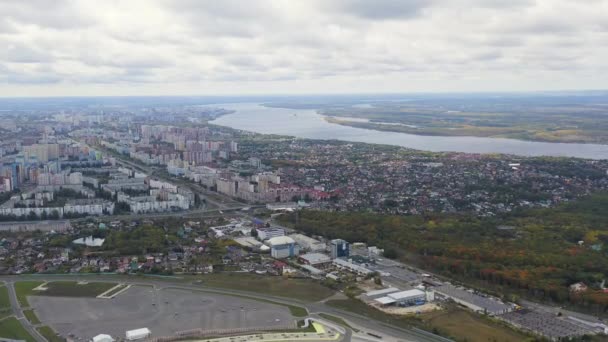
[535,253]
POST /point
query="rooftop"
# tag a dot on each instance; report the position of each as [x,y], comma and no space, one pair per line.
[280,240]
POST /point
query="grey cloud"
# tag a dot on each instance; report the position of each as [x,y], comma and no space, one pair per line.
[56,14]
[238,43]
[6,26]
[17,76]
[488,56]
[19,53]
[380,9]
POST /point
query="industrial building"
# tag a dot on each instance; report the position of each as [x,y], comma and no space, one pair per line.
[471,300]
[313,270]
[381,293]
[404,298]
[308,243]
[269,233]
[317,260]
[339,249]
[349,266]
[283,247]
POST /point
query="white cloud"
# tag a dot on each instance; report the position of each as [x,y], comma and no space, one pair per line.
[281,46]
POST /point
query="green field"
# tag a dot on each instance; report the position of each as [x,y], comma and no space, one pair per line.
[296,311]
[301,289]
[455,323]
[12,328]
[337,320]
[4,301]
[540,120]
[24,289]
[59,289]
[73,289]
[467,326]
[5,304]
[31,316]
[49,334]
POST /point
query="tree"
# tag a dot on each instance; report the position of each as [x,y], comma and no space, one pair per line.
[32,216]
[390,253]
[54,214]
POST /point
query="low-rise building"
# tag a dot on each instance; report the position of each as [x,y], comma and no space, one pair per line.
[283,247]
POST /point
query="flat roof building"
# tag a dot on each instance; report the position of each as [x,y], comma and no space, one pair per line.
[382,292]
[403,297]
[360,270]
[315,259]
[308,243]
[471,300]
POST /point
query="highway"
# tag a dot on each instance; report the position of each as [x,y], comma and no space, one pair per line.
[361,322]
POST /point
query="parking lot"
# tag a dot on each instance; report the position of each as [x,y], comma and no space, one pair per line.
[164,312]
[547,324]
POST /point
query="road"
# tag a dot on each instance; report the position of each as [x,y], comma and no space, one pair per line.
[364,323]
[18,312]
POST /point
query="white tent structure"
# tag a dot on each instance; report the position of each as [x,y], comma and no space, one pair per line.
[137,334]
[103,338]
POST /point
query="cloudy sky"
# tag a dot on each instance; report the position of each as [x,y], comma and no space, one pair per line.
[198,47]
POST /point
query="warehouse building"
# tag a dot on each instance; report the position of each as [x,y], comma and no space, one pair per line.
[403,298]
[308,243]
[349,266]
[269,233]
[473,301]
[315,259]
[283,247]
[381,293]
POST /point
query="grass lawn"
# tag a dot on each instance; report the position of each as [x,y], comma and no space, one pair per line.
[296,311]
[24,289]
[4,301]
[337,320]
[468,326]
[31,316]
[455,323]
[73,289]
[12,328]
[49,334]
[361,308]
[302,289]
[60,289]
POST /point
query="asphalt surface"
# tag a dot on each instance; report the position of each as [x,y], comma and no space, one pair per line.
[164,311]
[365,324]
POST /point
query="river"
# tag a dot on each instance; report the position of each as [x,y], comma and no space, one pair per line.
[307,123]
